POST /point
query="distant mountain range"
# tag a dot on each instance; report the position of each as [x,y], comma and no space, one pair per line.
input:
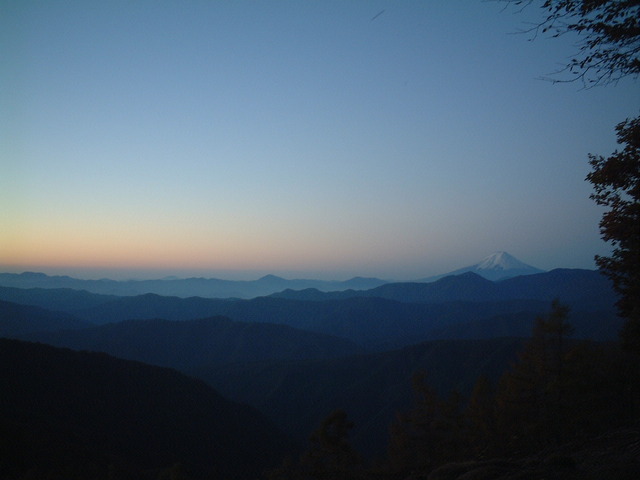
[187,287]
[497,266]
[388,316]
[571,286]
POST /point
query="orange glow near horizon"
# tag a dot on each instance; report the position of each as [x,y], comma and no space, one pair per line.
[135,241]
[93,248]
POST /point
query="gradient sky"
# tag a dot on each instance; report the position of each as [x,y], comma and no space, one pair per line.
[327,139]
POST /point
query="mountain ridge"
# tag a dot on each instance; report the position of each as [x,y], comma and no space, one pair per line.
[569,285]
[206,341]
[184,287]
[497,266]
[391,315]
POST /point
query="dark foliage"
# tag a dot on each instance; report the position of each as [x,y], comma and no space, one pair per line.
[609,31]
[370,388]
[532,396]
[329,456]
[610,50]
[430,434]
[616,183]
[565,410]
[558,398]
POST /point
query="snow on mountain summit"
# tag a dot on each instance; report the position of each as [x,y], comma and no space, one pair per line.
[501,261]
[497,266]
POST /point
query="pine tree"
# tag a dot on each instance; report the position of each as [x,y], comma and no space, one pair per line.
[531,400]
[481,417]
[431,433]
[329,457]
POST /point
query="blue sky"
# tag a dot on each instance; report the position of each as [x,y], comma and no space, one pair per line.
[220,138]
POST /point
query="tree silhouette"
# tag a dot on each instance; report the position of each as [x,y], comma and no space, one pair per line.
[609,51]
[531,398]
[431,433]
[609,31]
[481,417]
[616,181]
[330,455]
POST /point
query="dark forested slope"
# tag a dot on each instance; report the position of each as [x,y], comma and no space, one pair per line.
[370,388]
[66,414]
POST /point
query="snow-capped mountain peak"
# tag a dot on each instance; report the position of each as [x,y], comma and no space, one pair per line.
[501,261]
[497,266]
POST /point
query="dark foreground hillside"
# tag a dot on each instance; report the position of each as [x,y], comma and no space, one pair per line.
[370,388]
[612,455]
[79,415]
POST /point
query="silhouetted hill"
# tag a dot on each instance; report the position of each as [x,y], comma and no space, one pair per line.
[571,286]
[373,323]
[78,415]
[371,388]
[196,343]
[150,305]
[465,287]
[368,321]
[19,319]
[598,325]
[587,288]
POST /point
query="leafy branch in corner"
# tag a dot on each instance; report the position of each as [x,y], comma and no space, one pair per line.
[609,37]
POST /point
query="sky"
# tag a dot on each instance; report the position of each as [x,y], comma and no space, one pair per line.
[323,139]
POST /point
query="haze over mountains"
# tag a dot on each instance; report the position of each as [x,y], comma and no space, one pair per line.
[391,315]
[498,266]
[187,287]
